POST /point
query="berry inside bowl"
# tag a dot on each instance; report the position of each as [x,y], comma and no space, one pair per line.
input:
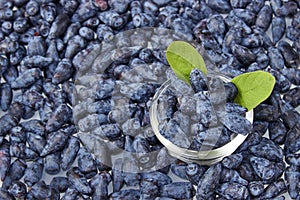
[201,123]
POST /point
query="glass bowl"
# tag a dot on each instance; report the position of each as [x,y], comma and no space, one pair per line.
[207,157]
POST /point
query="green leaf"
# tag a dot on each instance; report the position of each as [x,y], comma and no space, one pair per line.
[253,88]
[183,58]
